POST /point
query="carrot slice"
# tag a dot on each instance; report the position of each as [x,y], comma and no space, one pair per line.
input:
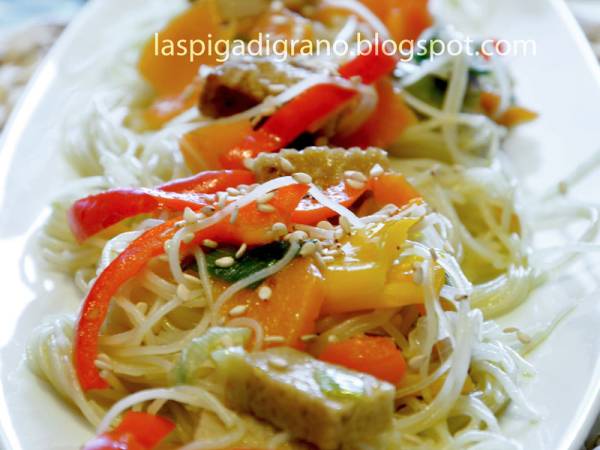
[377,356]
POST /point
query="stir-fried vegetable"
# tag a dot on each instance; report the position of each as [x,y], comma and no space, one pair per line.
[250,262]
[199,350]
[93,214]
[375,355]
[300,114]
[170,73]
[137,431]
[252,227]
[292,306]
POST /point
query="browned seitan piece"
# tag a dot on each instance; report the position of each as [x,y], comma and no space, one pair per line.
[241,83]
[291,390]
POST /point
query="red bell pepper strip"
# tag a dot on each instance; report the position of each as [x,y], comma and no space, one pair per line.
[310,211]
[375,355]
[252,227]
[309,108]
[93,214]
[137,431]
[209,182]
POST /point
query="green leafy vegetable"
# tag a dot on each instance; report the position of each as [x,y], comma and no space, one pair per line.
[252,261]
[197,353]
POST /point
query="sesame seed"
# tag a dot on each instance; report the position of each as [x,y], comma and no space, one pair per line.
[234,215]
[233,191]
[265,208]
[308,249]
[209,243]
[276,88]
[248,163]
[286,165]
[297,235]
[274,339]
[238,310]
[523,337]
[345,224]
[332,338]
[222,199]
[208,210]
[325,225]
[376,170]
[355,184]
[264,293]
[225,262]
[319,260]
[355,175]
[511,330]
[188,237]
[338,233]
[276,362]
[241,251]
[266,198]
[327,259]
[308,337]
[563,188]
[280,229]
[189,216]
[302,178]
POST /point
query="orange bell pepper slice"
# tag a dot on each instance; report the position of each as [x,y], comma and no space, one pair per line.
[166,71]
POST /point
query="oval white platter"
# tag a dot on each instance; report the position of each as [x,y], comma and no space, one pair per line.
[562,82]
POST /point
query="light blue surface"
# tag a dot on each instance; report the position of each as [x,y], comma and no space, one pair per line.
[13,12]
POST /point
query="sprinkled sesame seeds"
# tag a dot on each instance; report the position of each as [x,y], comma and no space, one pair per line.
[274,339]
[280,229]
[238,310]
[286,165]
[208,210]
[302,178]
[209,243]
[233,191]
[248,163]
[188,237]
[355,175]
[265,208]
[308,337]
[355,184]
[241,251]
[266,198]
[276,362]
[308,249]
[345,224]
[325,225]
[189,216]
[264,293]
[376,170]
[222,199]
[225,262]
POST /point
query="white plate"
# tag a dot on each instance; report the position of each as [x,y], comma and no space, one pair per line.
[562,82]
